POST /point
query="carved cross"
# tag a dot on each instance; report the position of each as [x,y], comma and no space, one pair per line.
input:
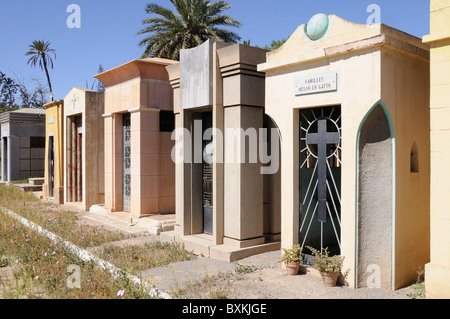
[322,139]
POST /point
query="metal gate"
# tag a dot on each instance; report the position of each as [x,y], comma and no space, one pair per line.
[126,162]
[320,178]
[207,176]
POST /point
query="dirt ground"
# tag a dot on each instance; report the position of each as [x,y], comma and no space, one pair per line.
[256,277]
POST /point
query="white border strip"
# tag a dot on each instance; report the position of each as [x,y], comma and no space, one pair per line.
[83,254]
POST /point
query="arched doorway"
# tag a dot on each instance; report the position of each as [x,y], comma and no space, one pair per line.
[375,162]
[272,181]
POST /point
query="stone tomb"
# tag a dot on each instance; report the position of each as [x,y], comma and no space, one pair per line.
[84,148]
[23,144]
[225,208]
[53,187]
[139,120]
[351,102]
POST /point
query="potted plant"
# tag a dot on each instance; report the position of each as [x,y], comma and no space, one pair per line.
[328,266]
[292,258]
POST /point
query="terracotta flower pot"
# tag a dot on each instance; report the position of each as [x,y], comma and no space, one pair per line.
[329,278]
[292,268]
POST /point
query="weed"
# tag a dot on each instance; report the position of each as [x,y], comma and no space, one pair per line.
[4,262]
[150,255]
[245,269]
[419,286]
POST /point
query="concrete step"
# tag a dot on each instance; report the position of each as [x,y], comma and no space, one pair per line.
[28,187]
[37,181]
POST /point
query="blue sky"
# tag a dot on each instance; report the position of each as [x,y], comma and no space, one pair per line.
[108,30]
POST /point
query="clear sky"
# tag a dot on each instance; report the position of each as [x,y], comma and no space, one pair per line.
[108,30]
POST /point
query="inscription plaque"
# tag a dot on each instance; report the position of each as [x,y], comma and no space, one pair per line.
[317,83]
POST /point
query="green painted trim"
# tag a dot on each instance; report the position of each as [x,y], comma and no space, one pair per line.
[391,129]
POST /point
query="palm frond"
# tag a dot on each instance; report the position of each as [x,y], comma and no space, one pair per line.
[41,55]
[193,22]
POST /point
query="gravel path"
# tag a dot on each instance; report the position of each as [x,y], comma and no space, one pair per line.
[265,280]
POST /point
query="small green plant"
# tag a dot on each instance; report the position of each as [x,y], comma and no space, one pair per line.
[3,261]
[419,286]
[245,269]
[21,181]
[325,263]
[292,255]
[218,293]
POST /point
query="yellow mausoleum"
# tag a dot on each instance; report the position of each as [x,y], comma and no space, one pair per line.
[53,187]
[437,274]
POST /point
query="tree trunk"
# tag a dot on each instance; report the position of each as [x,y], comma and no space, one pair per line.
[48,77]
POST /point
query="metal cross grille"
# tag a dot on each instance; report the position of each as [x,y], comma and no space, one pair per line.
[126,162]
[320,178]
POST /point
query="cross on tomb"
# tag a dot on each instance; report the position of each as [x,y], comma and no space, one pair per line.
[74,99]
[322,139]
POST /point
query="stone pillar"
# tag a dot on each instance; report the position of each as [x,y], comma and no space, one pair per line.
[4,159]
[13,159]
[73,138]
[145,159]
[243,182]
[117,173]
[68,139]
[79,161]
[183,177]
[243,103]
[109,141]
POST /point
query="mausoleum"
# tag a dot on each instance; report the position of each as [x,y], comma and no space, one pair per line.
[53,187]
[23,144]
[84,148]
[351,103]
[226,208]
[437,271]
[139,120]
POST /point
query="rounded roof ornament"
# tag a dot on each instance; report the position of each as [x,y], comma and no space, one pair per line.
[317,26]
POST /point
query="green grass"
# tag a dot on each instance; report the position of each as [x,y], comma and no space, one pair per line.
[32,266]
[63,223]
[38,269]
[133,258]
[21,181]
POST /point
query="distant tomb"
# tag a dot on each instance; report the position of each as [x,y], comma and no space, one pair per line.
[22,144]
[84,148]
[53,187]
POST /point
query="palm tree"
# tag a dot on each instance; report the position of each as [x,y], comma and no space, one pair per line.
[40,52]
[195,22]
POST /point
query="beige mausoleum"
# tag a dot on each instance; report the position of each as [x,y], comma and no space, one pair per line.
[225,207]
[84,148]
[139,120]
[351,103]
